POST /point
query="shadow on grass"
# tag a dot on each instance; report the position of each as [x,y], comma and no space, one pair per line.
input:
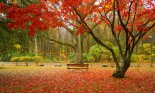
[3,67]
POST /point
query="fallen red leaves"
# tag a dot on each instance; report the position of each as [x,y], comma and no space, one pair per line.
[64,81]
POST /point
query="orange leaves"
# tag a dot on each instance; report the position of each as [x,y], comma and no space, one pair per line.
[70,3]
[57,13]
[95,19]
[136,13]
[145,37]
[100,22]
[72,13]
[105,6]
[31,17]
[95,80]
[139,28]
[2,7]
[80,29]
[118,28]
[83,11]
[88,1]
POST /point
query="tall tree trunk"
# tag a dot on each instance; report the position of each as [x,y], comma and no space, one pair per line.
[36,49]
[87,44]
[16,63]
[2,51]
[36,46]
[120,73]
[78,51]
[30,48]
[26,64]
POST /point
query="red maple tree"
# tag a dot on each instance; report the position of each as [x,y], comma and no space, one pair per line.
[131,18]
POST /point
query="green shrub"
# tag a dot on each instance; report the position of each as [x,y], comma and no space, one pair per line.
[38,58]
[72,57]
[135,58]
[91,59]
[153,57]
[26,59]
[96,52]
[106,56]
[143,57]
[47,60]
[116,50]
[30,54]
[15,59]
[85,57]
[55,60]
[100,53]
[153,49]
[6,57]
[146,48]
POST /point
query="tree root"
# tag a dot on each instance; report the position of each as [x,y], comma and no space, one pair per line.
[118,74]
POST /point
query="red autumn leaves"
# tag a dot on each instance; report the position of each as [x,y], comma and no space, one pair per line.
[2,8]
[33,17]
[30,17]
[39,17]
[49,80]
[72,13]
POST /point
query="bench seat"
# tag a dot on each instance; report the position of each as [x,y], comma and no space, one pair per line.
[77,66]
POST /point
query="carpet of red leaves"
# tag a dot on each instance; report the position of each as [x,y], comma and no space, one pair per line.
[64,81]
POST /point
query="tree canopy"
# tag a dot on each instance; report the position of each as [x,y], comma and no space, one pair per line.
[127,20]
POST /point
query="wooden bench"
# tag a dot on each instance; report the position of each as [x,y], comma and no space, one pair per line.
[41,65]
[78,66]
[57,65]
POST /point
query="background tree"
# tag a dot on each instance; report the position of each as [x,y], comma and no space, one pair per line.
[39,18]
[135,21]
[14,36]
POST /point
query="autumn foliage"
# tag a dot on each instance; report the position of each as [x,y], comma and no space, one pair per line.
[131,19]
[48,80]
[60,13]
[32,17]
[48,14]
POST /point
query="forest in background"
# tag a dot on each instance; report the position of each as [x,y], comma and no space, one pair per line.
[53,44]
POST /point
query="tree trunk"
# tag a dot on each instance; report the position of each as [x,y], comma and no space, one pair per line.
[151,63]
[30,49]
[78,51]
[26,63]
[37,63]
[120,73]
[36,46]
[16,63]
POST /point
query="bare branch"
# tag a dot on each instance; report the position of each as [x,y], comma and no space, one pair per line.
[96,39]
[60,42]
[129,12]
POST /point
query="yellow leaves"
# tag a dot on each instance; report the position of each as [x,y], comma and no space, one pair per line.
[14,1]
[17,46]
[27,59]
[15,59]
[108,6]
[38,58]
[105,7]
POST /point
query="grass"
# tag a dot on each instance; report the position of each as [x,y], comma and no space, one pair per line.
[48,79]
